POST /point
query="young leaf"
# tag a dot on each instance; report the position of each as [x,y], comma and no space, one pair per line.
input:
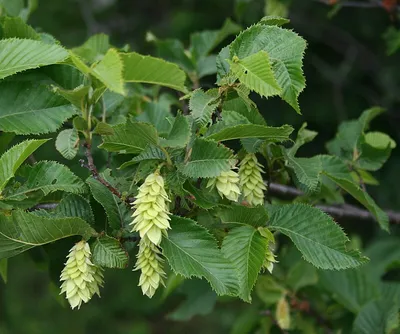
[192,251]
[17,55]
[67,143]
[180,133]
[269,133]
[208,159]
[285,49]
[21,231]
[14,158]
[151,70]
[16,27]
[320,240]
[274,21]
[74,205]
[109,72]
[47,176]
[337,171]
[131,137]
[245,248]
[203,104]
[117,215]
[108,252]
[255,72]
[307,171]
[29,108]
[95,47]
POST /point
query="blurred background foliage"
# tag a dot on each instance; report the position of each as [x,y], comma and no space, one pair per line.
[348,69]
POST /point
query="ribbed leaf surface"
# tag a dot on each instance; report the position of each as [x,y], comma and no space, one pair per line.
[18,55]
[21,231]
[320,240]
[245,248]
[11,160]
[29,108]
[108,252]
[203,104]
[208,159]
[67,143]
[151,70]
[192,251]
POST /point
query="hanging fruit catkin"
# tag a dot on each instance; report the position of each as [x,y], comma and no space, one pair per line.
[227,185]
[149,262]
[269,260]
[251,180]
[151,215]
[80,277]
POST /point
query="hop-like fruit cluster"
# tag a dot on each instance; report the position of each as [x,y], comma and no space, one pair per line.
[80,277]
[251,180]
[269,260]
[149,262]
[227,185]
[151,215]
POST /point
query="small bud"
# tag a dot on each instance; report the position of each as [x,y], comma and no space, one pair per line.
[149,262]
[251,180]
[151,216]
[227,185]
[81,278]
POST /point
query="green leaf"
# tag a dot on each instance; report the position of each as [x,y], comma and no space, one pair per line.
[151,152]
[285,49]
[74,205]
[109,71]
[379,140]
[151,70]
[180,133]
[94,48]
[28,108]
[67,143]
[16,27]
[253,216]
[203,104]
[4,269]
[108,252]
[17,55]
[274,21]
[200,197]
[207,159]
[131,137]
[116,212]
[343,179]
[75,96]
[245,248]
[351,288]
[158,113]
[377,316]
[255,72]
[320,240]
[307,171]
[269,133]
[202,43]
[302,274]
[14,158]
[21,231]
[304,136]
[47,176]
[192,251]
[392,39]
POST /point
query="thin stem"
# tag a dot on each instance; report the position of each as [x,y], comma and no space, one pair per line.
[169,161]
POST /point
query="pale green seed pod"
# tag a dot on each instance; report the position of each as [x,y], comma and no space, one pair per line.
[80,277]
[149,262]
[227,185]
[251,180]
[269,260]
[151,215]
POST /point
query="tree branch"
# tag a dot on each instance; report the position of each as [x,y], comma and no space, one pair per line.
[93,170]
[344,211]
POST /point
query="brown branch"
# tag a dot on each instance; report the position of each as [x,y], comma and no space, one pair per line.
[344,211]
[93,170]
